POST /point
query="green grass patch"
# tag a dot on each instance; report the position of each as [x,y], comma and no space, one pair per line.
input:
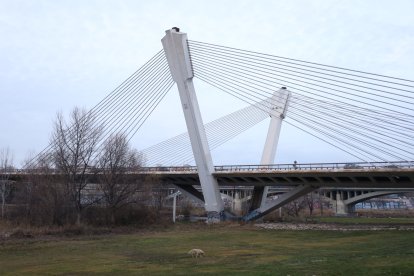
[230,250]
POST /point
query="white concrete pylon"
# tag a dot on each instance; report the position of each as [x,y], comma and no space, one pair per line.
[178,57]
[279,106]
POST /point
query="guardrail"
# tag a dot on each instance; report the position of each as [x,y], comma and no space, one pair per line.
[236,168]
[317,166]
[286,167]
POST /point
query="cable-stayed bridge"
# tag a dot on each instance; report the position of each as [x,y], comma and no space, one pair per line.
[367,116]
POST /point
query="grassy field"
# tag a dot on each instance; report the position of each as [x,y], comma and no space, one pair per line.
[230,250]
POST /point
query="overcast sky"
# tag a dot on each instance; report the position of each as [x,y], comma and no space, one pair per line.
[55,55]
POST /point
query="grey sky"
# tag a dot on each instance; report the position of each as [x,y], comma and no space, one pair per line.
[55,55]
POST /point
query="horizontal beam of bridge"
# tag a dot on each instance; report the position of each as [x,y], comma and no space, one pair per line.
[356,178]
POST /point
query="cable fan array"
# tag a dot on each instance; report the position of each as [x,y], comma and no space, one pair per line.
[127,107]
[368,116]
[177,150]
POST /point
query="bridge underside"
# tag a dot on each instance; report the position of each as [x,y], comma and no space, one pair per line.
[328,178]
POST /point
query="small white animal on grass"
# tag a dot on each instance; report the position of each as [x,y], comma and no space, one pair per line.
[196,253]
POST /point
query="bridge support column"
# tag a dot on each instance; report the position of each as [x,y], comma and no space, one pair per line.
[282,200]
[237,204]
[341,208]
[178,57]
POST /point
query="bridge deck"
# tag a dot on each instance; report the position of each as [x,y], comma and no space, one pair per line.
[340,178]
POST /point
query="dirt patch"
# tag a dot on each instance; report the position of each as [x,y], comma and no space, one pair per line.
[330,227]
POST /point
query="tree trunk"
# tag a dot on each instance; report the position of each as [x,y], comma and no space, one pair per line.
[3,203]
[78,218]
[112,216]
[3,192]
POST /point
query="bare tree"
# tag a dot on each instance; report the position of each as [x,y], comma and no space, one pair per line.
[310,202]
[155,192]
[116,160]
[295,207]
[74,144]
[43,192]
[6,166]
[321,202]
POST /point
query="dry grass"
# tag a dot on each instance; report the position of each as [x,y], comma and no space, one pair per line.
[230,249]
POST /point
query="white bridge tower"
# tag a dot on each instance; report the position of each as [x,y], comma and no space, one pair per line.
[278,108]
[178,57]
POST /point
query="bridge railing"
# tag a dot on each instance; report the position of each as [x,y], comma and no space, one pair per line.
[235,168]
[317,166]
[289,167]
[168,169]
